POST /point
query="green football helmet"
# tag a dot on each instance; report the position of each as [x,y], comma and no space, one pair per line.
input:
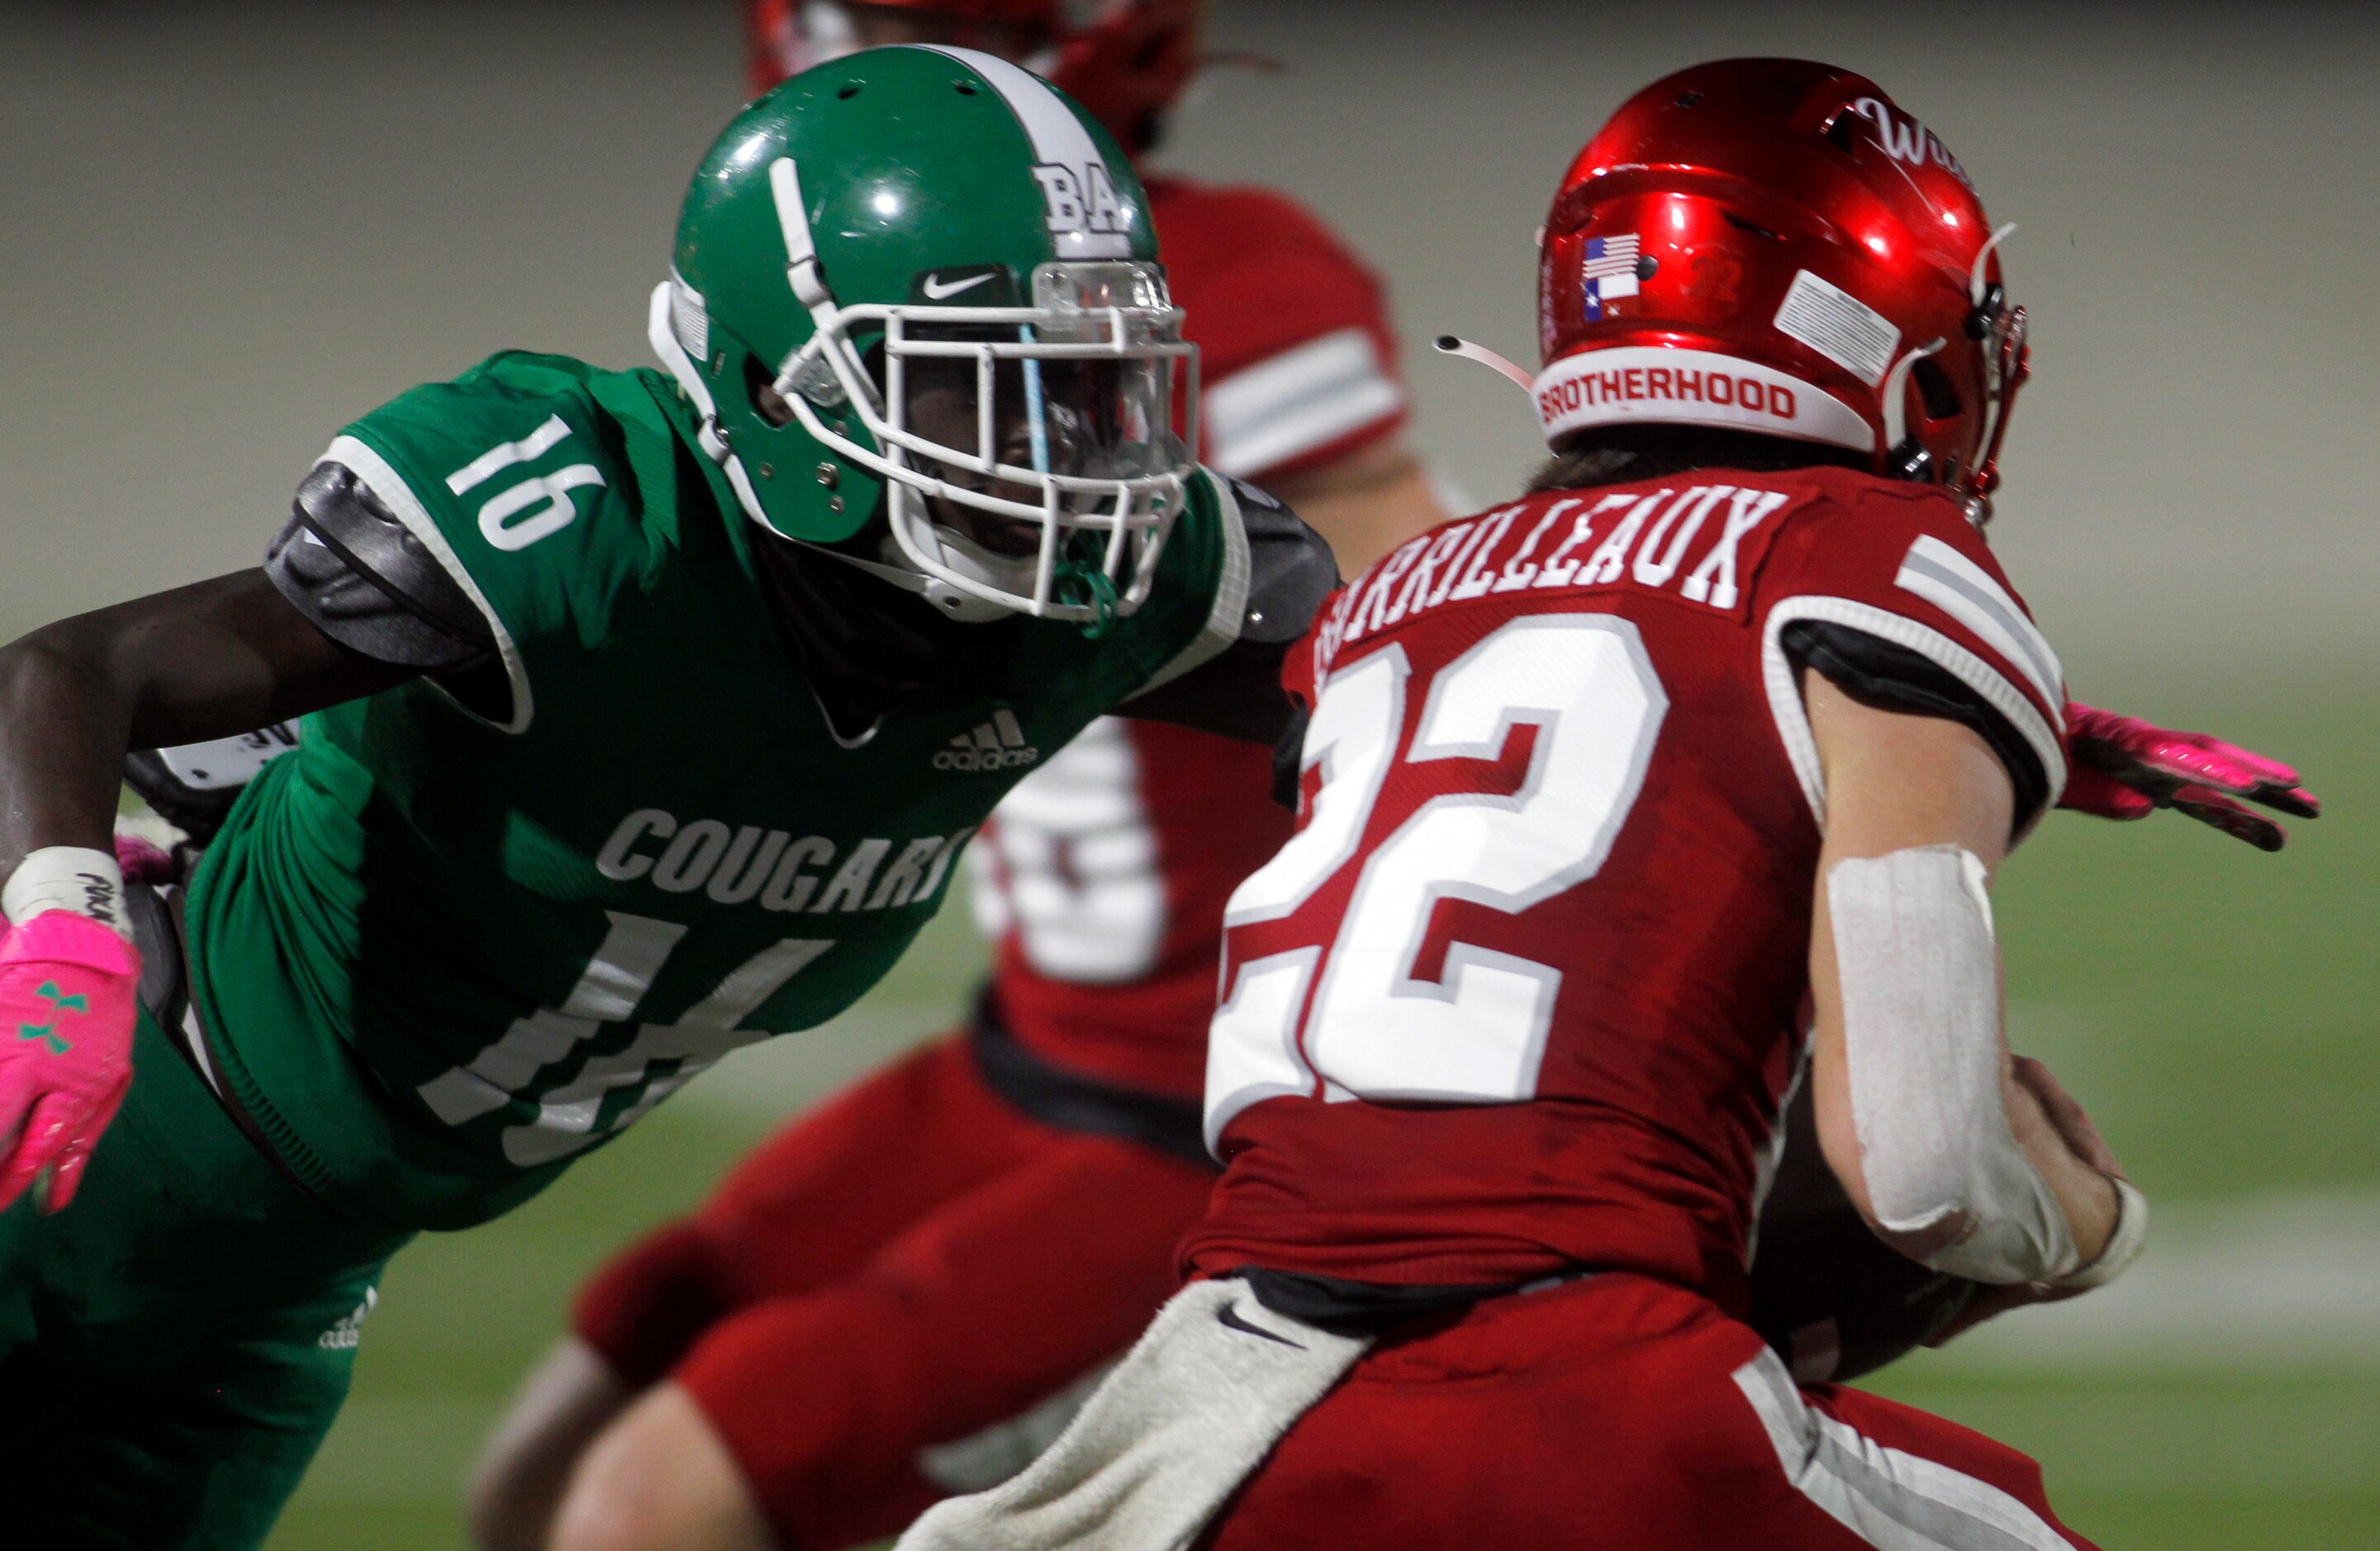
[922,278]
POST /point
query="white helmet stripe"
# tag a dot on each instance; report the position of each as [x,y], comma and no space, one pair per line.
[1059,141]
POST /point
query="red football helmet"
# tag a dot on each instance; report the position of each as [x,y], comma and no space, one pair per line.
[1125,60]
[1773,246]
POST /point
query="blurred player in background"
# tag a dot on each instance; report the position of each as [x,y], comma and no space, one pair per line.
[1610,795]
[901,1295]
[905,1294]
[652,710]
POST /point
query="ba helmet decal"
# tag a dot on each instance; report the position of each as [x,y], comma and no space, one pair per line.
[1086,214]
[1082,200]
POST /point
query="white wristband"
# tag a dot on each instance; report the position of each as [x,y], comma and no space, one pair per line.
[2125,1241]
[71,877]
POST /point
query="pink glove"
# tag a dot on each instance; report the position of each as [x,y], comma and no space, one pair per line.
[145,861]
[2124,768]
[66,1010]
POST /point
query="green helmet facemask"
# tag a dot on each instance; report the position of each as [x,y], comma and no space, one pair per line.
[925,274]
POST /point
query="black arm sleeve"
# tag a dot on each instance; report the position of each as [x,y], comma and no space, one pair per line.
[1879,672]
[1237,691]
[361,577]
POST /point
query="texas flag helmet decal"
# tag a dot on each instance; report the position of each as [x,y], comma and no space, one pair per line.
[1610,271]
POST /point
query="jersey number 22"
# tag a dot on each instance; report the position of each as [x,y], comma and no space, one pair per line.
[1475,1035]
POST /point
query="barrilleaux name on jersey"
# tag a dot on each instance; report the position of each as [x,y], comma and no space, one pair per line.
[1682,540]
[995,744]
[774,869]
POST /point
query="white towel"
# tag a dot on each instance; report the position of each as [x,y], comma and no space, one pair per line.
[1184,1419]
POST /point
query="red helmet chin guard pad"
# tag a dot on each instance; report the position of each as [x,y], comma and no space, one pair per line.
[1775,245]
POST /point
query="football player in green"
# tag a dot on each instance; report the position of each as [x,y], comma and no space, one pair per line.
[646,715]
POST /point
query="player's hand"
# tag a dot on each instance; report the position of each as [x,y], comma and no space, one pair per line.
[2081,1134]
[2124,768]
[2066,1116]
[68,985]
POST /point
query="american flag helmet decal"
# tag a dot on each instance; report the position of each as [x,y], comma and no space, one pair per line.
[1610,273]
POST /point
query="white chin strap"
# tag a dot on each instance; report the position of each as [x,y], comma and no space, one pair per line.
[663,336]
[948,601]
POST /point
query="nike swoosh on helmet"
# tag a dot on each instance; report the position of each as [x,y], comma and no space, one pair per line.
[936,289]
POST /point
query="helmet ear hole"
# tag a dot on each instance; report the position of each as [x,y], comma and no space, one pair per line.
[761,390]
[1935,391]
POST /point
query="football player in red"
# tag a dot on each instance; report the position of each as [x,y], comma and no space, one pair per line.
[904,1293]
[947,1254]
[1624,805]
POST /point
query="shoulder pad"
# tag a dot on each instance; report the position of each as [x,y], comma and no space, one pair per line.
[514,453]
[1902,564]
[515,479]
[1290,568]
[346,516]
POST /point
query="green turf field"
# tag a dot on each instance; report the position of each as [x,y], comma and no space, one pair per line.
[2229,1052]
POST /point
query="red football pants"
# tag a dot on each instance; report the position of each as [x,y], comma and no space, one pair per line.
[1623,1414]
[889,1300]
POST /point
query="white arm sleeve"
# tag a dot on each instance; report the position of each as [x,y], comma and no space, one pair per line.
[1919,975]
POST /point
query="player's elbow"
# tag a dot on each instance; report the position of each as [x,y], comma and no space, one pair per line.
[523,1471]
[1918,1210]
[658,1477]
[1943,1182]
[61,656]
[1915,1211]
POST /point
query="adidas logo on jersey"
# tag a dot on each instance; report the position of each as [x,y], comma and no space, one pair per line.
[997,744]
[346,1331]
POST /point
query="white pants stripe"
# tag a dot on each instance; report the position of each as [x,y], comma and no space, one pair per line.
[1893,1500]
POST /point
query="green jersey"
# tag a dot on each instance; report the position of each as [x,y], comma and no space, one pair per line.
[440,952]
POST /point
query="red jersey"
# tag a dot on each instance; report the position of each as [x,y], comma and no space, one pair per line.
[1103,876]
[1525,992]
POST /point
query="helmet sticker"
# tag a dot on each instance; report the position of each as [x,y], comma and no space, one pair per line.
[1610,271]
[1665,385]
[1839,326]
[1905,140]
[1082,199]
